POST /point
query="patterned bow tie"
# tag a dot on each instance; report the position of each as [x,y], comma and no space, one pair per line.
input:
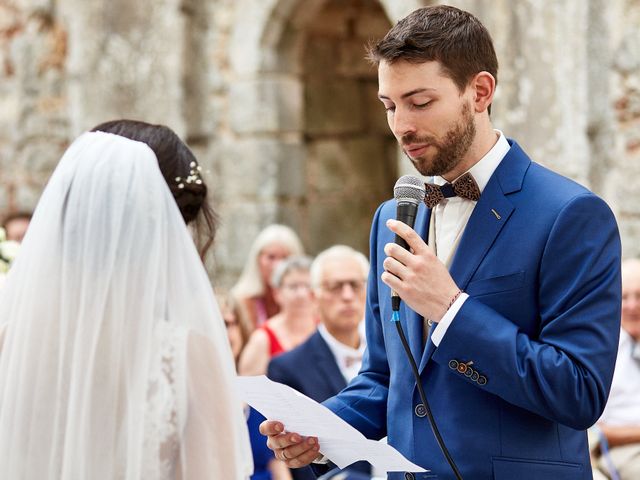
[465,187]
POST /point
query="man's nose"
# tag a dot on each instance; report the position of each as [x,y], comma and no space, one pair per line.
[348,291]
[402,123]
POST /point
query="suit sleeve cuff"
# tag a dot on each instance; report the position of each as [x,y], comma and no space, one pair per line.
[443,324]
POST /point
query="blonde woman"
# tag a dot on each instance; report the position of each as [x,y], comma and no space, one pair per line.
[253,290]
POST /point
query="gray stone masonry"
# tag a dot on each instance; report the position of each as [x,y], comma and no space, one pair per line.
[277,101]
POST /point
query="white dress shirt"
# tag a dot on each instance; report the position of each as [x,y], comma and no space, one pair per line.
[449,219]
[623,406]
[349,359]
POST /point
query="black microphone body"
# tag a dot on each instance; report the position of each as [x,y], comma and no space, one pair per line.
[406,212]
[409,192]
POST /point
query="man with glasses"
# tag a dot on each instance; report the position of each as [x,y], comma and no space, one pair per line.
[324,364]
[620,422]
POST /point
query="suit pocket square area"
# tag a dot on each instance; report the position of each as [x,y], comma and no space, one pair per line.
[497,284]
[526,469]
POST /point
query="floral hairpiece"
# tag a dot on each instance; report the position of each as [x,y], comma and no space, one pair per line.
[194,176]
[8,251]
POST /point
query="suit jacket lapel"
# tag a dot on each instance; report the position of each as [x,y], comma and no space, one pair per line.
[489,216]
[413,320]
[326,363]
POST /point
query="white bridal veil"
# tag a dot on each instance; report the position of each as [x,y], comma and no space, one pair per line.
[114,363]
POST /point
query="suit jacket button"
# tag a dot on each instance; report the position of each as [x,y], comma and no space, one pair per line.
[482,380]
[475,376]
[453,364]
[420,410]
[470,371]
[462,367]
[409,476]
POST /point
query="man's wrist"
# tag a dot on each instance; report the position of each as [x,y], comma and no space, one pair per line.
[453,299]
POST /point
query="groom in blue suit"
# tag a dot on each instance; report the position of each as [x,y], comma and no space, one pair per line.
[511,289]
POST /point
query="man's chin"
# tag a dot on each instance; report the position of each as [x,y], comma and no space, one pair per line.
[423,167]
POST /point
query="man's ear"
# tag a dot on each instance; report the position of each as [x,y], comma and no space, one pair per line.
[484,86]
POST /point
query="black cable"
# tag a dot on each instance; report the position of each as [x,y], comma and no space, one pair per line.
[423,398]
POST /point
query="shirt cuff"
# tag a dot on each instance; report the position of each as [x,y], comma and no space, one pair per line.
[443,324]
[321,461]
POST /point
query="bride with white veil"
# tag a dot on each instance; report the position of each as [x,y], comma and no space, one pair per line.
[114,360]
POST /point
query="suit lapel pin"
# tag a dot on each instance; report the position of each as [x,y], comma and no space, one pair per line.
[496,214]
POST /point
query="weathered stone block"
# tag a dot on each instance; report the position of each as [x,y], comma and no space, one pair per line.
[330,226]
[352,62]
[262,169]
[333,106]
[266,105]
[319,58]
[375,114]
[372,23]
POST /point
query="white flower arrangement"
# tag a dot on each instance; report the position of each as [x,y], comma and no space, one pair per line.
[8,251]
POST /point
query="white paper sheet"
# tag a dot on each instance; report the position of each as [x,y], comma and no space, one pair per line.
[338,440]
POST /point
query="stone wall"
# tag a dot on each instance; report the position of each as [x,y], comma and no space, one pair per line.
[34,125]
[279,105]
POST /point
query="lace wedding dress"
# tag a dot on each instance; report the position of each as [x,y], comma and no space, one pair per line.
[161,448]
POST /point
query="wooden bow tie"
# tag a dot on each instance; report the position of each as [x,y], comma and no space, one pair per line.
[465,187]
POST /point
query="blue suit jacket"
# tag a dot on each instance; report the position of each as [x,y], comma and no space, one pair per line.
[541,325]
[311,369]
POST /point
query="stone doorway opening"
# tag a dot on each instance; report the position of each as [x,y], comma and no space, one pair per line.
[351,156]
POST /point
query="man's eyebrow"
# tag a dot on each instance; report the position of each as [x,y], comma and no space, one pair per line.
[408,94]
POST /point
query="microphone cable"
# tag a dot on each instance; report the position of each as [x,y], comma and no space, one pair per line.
[423,398]
[409,192]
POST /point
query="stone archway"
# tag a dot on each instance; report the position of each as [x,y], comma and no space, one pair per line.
[307,144]
[351,154]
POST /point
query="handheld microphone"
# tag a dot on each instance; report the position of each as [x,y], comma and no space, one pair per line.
[409,192]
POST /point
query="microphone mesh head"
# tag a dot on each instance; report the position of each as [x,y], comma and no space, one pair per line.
[409,188]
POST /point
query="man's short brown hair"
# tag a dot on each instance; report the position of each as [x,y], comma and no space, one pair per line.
[453,37]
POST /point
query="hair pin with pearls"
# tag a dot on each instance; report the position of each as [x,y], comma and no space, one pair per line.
[194,176]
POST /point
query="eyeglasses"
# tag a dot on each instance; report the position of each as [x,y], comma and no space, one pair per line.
[295,286]
[336,288]
[629,296]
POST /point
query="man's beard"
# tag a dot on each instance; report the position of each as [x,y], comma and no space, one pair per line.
[450,151]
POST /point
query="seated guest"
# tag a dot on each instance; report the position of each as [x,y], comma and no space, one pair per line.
[329,359]
[253,289]
[620,421]
[293,325]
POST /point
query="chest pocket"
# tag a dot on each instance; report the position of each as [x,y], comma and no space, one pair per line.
[499,284]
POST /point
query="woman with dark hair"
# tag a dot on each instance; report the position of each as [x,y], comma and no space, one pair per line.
[180,170]
[114,360]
